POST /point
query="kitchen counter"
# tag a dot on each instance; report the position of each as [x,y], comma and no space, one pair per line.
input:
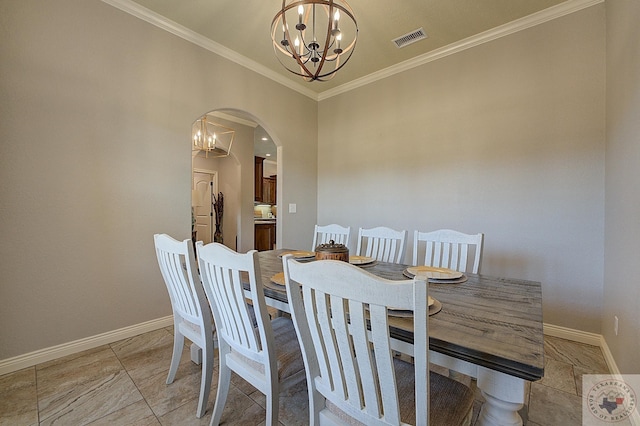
[264,220]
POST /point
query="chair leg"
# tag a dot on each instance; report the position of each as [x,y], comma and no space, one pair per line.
[205,381]
[316,404]
[272,403]
[178,345]
[224,380]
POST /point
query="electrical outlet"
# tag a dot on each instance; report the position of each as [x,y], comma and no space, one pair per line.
[615,324]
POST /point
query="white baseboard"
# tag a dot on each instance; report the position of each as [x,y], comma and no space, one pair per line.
[583,337]
[47,354]
[43,355]
[571,334]
[608,357]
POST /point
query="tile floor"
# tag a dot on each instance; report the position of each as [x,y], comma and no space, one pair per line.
[124,384]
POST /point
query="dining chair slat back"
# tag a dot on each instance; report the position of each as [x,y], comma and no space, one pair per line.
[191,314]
[451,249]
[382,243]
[263,352]
[324,233]
[341,316]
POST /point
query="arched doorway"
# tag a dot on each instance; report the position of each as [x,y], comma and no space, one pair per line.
[235,177]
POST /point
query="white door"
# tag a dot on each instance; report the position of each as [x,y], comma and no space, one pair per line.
[203,185]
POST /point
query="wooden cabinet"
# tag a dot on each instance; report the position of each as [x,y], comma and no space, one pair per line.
[265,236]
[264,187]
[257,174]
[269,190]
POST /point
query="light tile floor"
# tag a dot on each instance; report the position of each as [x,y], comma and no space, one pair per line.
[124,384]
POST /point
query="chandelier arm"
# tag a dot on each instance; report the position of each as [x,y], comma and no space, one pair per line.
[305,73]
[304,45]
[278,46]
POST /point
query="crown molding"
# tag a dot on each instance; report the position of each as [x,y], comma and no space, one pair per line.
[174,28]
[233,119]
[147,15]
[538,18]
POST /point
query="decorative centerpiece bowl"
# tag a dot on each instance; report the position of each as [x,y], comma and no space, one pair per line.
[332,251]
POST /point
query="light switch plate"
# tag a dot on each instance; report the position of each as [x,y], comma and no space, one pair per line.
[292,208]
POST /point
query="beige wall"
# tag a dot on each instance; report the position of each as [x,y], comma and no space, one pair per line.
[506,138]
[621,290]
[95,158]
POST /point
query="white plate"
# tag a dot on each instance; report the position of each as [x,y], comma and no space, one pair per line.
[460,280]
[278,278]
[299,254]
[360,260]
[434,273]
[431,302]
[434,307]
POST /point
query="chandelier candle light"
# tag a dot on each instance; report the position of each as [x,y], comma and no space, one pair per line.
[314,38]
[214,139]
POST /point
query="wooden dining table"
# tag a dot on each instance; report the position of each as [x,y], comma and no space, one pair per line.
[488,328]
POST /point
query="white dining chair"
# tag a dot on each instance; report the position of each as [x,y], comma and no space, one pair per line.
[191,313]
[341,317]
[382,243]
[322,234]
[267,356]
[449,249]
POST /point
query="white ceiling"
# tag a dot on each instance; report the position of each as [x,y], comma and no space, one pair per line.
[240,31]
[263,146]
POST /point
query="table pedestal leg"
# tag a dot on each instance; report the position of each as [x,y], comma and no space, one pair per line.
[497,412]
[504,396]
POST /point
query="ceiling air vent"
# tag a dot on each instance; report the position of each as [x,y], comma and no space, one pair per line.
[412,37]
